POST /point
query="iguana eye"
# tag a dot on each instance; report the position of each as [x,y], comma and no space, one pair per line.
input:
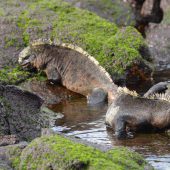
[25,58]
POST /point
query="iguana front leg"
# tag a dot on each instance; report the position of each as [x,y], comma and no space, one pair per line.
[120,129]
[53,74]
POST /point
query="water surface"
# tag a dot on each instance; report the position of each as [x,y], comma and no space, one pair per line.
[87,123]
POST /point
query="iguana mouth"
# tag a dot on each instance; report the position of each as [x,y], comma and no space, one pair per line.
[25,63]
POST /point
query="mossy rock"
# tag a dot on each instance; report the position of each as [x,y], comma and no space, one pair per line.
[56,152]
[100,38]
[115,11]
[116,49]
[13,75]
[11,153]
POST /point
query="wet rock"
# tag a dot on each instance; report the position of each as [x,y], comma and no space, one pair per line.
[50,93]
[4,165]
[19,113]
[10,153]
[146,11]
[158,37]
[8,140]
[139,72]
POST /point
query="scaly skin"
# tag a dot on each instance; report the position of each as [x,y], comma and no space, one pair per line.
[133,113]
[160,87]
[70,65]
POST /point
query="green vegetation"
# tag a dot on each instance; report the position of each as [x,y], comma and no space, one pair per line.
[16,75]
[57,152]
[166,19]
[14,152]
[115,11]
[2,13]
[13,75]
[10,41]
[115,49]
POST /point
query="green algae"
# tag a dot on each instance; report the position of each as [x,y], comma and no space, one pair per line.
[13,75]
[57,152]
[16,75]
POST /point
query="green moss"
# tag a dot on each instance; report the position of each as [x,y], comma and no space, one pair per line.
[40,76]
[57,152]
[124,48]
[15,153]
[13,75]
[115,11]
[97,36]
[2,13]
[10,41]
[16,75]
[166,19]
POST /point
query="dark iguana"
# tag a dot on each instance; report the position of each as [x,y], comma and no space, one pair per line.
[130,113]
[72,66]
[159,88]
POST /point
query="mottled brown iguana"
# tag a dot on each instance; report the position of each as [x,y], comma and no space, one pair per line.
[131,113]
[72,66]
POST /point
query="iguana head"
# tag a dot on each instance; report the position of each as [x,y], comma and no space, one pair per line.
[26,58]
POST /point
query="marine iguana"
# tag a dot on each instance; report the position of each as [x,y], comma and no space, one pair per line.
[160,87]
[130,113]
[72,66]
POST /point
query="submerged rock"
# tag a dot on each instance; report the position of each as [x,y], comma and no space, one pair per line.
[50,93]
